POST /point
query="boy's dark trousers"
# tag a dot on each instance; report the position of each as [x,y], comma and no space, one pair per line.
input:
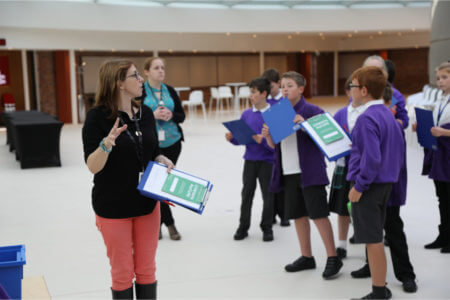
[398,246]
[262,171]
[443,193]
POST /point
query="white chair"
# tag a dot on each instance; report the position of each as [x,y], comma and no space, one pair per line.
[226,94]
[216,95]
[244,94]
[195,99]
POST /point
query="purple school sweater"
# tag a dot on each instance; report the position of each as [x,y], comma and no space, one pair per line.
[378,148]
[312,162]
[436,164]
[398,194]
[401,112]
[255,152]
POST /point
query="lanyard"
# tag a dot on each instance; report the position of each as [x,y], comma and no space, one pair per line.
[441,110]
[159,101]
[139,147]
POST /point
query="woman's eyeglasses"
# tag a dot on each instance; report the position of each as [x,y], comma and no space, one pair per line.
[135,75]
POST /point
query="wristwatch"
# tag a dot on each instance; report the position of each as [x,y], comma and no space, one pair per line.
[103,147]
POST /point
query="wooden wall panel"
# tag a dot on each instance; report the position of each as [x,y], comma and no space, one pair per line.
[411,69]
[278,62]
[63,97]
[203,71]
[250,67]
[325,74]
[16,79]
[177,71]
[230,69]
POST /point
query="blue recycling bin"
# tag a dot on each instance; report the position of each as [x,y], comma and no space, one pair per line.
[12,259]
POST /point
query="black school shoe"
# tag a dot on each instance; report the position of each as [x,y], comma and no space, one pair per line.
[240,234]
[285,223]
[352,239]
[364,272]
[268,235]
[446,249]
[386,294]
[334,264]
[409,285]
[302,263]
[341,253]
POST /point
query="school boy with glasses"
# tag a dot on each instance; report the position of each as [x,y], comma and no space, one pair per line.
[376,158]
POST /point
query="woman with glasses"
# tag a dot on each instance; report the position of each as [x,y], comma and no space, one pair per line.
[119,139]
[169,113]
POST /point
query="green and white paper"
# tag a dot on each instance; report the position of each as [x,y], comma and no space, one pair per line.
[328,135]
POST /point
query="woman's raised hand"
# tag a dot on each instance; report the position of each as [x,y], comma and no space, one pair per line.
[110,140]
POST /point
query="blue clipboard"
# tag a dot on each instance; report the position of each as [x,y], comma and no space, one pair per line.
[280,120]
[155,196]
[424,124]
[241,131]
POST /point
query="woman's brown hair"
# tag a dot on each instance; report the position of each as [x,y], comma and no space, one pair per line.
[148,62]
[111,71]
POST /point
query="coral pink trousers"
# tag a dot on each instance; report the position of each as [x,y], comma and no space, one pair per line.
[131,247]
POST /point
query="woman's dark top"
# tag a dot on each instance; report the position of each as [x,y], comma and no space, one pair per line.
[115,193]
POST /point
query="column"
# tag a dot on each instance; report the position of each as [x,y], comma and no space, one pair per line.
[26,89]
[73,87]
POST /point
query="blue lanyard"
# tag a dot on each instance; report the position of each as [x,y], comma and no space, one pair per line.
[441,111]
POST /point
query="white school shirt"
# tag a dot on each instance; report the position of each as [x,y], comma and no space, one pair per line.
[352,116]
[441,106]
[369,104]
[261,110]
[277,97]
[289,155]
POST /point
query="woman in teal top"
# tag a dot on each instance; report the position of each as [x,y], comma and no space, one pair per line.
[169,113]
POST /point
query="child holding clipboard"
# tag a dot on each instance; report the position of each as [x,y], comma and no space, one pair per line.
[258,160]
[346,118]
[300,170]
[437,163]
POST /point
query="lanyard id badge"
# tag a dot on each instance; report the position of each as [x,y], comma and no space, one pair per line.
[161,135]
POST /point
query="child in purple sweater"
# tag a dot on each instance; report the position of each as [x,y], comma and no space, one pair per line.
[258,161]
[375,161]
